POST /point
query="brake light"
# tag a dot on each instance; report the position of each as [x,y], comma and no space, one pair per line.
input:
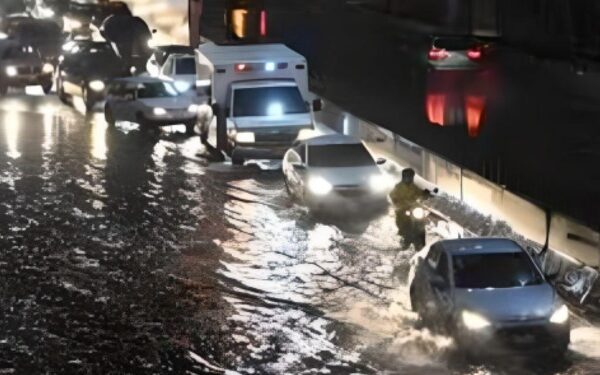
[263,23]
[241,67]
[474,54]
[436,54]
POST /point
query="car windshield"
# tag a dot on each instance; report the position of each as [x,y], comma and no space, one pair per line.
[268,101]
[495,270]
[352,155]
[454,44]
[156,90]
[185,66]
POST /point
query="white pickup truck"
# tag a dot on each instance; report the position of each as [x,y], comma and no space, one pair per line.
[260,98]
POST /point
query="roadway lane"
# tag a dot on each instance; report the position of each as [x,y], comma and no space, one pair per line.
[129,252]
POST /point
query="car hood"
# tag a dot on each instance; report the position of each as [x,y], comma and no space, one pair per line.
[347,176]
[179,102]
[508,304]
[299,119]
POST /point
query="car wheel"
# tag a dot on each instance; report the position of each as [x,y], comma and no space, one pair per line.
[190,128]
[236,159]
[47,87]
[108,116]
[86,100]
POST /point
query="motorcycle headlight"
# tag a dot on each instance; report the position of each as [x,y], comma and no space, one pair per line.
[319,186]
[97,85]
[47,68]
[380,182]
[560,315]
[11,71]
[474,321]
[418,213]
[158,111]
[245,137]
[182,86]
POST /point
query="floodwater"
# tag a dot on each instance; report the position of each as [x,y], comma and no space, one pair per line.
[123,251]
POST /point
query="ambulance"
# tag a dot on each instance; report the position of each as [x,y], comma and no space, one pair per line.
[259,98]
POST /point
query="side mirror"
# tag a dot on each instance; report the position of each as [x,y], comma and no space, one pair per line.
[317,105]
[380,161]
[299,167]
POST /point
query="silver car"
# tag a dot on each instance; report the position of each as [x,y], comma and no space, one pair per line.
[490,296]
[331,172]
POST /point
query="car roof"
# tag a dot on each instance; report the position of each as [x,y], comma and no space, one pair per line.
[248,53]
[479,245]
[331,139]
[138,79]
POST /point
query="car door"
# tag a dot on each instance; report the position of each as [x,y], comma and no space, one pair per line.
[432,286]
[441,288]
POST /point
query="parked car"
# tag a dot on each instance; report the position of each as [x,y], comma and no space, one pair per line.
[160,55]
[85,72]
[21,66]
[43,35]
[458,52]
[335,171]
[181,70]
[490,296]
[150,102]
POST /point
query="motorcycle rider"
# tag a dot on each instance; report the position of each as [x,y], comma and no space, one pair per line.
[406,196]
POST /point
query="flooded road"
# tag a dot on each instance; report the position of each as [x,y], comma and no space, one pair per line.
[130,252]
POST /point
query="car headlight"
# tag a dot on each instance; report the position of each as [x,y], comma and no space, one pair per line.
[96,85]
[560,315]
[245,137]
[380,182]
[182,86]
[304,134]
[158,111]
[71,24]
[11,71]
[193,108]
[47,68]
[319,186]
[474,321]
[3,36]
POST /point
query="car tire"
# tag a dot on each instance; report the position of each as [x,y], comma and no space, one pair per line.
[47,87]
[236,159]
[109,117]
[89,105]
[190,128]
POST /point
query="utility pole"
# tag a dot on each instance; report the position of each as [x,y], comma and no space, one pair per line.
[194,21]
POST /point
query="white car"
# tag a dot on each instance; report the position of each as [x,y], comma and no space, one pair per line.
[181,70]
[150,102]
[335,171]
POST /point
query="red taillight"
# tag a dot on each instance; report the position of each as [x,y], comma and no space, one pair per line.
[474,54]
[263,23]
[436,54]
[240,67]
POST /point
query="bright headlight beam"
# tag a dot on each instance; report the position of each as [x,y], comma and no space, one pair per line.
[561,315]
[319,186]
[47,68]
[97,85]
[11,71]
[159,111]
[182,86]
[474,321]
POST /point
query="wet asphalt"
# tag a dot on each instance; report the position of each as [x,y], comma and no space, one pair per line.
[129,252]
